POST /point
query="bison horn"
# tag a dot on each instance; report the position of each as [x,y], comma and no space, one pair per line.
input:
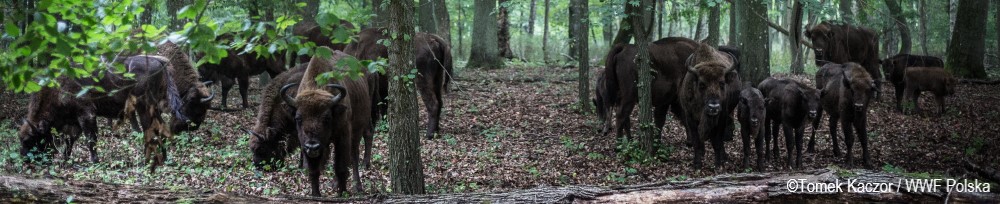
[288,99]
[208,98]
[208,83]
[338,97]
[251,132]
[732,59]
[689,62]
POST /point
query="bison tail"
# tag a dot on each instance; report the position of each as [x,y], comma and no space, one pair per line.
[611,75]
[446,59]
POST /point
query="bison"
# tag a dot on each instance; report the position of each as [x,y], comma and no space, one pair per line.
[751,114]
[896,66]
[667,58]
[337,113]
[194,98]
[603,103]
[842,43]
[709,94]
[846,95]
[274,134]
[933,79]
[433,62]
[790,105]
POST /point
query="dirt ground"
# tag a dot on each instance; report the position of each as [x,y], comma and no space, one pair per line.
[516,128]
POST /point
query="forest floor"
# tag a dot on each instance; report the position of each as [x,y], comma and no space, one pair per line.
[516,128]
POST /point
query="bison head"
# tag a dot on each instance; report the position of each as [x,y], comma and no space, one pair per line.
[810,101]
[710,69]
[318,114]
[195,106]
[752,101]
[860,85]
[822,37]
[36,139]
[268,151]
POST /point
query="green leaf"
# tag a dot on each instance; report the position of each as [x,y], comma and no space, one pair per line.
[32,87]
[324,53]
[11,29]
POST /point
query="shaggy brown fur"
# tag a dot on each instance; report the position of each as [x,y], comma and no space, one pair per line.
[751,115]
[323,120]
[274,134]
[193,93]
[709,94]
[433,61]
[602,102]
[841,43]
[790,105]
[847,96]
[896,66]
[933,79]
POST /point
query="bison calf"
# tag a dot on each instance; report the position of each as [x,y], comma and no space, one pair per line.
[933,79]
[750,113]
[790,105]
[896,66]
[847,95]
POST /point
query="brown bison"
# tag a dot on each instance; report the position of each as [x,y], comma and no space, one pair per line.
[751,114]
[667,58]
[337,113]
[896,66]
[790,105]
[433,62]
[847,94]
[194,96]
[842,43]
[274,134]
[602,103]
[709,94]
[933,79]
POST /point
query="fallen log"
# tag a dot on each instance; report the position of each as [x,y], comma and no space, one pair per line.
[839,186]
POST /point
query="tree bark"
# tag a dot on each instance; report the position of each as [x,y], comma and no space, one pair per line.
[443,19]
[753,40]
[381,18]
[484,52]
[545,35]
[572,27]
[967,47]
[732,24]
[640,18]
[659,18]
[904,32]
[503,30]
[461,29]
[923,26]
[794,36]
[172,8]
[583,55]
[997,20]
[609,28]
[405,168]
[846,11]
[425,17]
[714,25]
[952,8]
[531,18]
[624,35]
[700,25]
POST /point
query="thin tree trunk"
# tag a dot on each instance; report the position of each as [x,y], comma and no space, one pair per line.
[640,17]
[503,30]
[443,21]
[531,18]
[672,18]
[714,25]
[545,35]
[697,29]
[997,20]
[624,35]
[572,27]
[904,31]
[923,26]
[846,11]
[425,16]
[461,28]
[951,9]
[795,27]
[659,18]
[583,81]
[608,32]
[405,169]
[753,36]
[732,24]
[968,46]
[484,52]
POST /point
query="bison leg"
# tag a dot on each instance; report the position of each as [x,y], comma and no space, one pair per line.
[315,167]
[940,102]
[833,134]
[244,82]
[89,126]
[860,124]
[900,89]
[432,102]
[70,134]
[369,141]
[848,140]
[759,140]
[660,117]
[623,120]
[719,146]
[745,136]
[799,137]
[812,137]
[789,143]
[341,164]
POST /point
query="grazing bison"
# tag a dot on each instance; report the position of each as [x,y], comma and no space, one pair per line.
[667,58]
[847,96]
[933,79]
[790,104]
[57,108]
[274,134]
[603,103]
[433,62]
[842,43]
[751,114]
[337,113]
[896,66]
[194,96]
[709,94]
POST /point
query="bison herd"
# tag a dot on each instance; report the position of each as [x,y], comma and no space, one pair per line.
[701,86]
[698,83]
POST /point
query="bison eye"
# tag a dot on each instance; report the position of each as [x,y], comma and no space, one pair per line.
[298,119]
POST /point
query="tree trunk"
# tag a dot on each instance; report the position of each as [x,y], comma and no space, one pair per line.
[904,31]
[381,18]
[425,17]
[583,55]
[624,35]
[172,8]
[794,29]
[890,43]
[531,18]
[572,27]
[641,20]
[700,24]
[714,25]
[443,19]
[309,12]
[461,28]
[659,18]
[997,7]
[952,9]
[968,46]
[732,24]
[147,16]
[545,35]
[846,11]
[923,26]
[503,30]
[753,40]
[405,168]
[484,52]
[609,28]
